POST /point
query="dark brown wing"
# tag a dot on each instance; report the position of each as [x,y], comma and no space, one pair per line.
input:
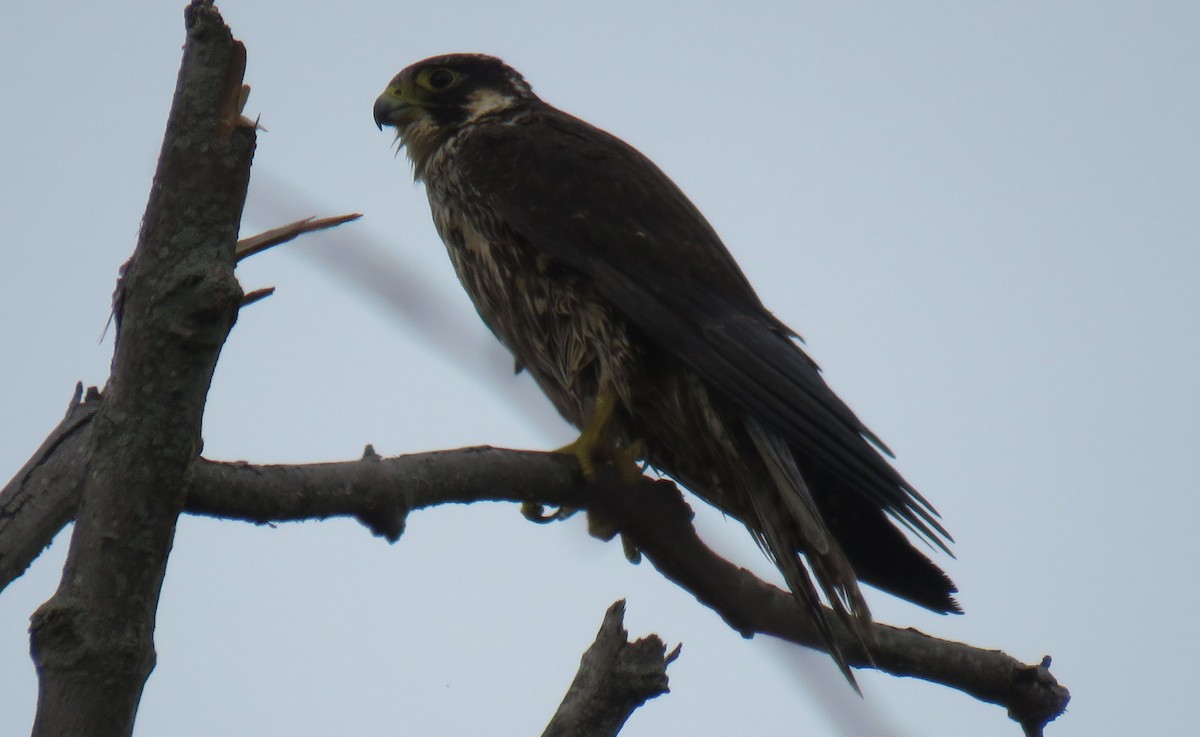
[597,205]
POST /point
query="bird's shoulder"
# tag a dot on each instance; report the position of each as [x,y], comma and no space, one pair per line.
[596,202]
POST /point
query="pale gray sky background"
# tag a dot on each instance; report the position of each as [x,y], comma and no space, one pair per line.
[983,218]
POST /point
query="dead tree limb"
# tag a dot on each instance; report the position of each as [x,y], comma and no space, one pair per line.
[42,497]
[615,677]
[380,493]
[92,642]
[247,247]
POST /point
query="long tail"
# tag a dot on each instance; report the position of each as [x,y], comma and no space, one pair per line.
[789,521]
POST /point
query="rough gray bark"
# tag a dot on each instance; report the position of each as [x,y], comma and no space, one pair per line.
[92,642]
[615,677]
[42,497]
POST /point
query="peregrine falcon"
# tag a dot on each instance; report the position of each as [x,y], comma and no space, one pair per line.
[607,284]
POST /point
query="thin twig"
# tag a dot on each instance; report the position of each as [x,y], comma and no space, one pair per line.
[247,247]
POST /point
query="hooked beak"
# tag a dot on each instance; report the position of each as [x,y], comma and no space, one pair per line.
[393,109]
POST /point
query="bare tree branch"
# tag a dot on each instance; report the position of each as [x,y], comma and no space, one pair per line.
[43,496]
[651,514]
[658,521]
[247,247]
[615,677]
[92,642]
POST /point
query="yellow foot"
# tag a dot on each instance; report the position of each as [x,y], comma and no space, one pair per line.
[583,451]
[595,448]
[595,439]
[626,461]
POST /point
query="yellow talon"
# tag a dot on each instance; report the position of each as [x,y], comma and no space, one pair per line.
[596,444]
[594,437]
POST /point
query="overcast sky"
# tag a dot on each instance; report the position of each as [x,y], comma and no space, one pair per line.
[982,217]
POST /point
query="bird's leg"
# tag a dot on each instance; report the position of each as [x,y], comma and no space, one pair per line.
[594,438]
[596,445]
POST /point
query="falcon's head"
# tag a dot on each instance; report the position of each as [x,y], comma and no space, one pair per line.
[432,99]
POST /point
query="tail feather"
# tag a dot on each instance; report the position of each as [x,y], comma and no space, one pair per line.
[801,586]
[790,521]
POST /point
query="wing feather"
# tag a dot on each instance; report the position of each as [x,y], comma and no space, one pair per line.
[652,255]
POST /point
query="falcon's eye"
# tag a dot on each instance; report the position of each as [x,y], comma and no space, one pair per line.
[437,80]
